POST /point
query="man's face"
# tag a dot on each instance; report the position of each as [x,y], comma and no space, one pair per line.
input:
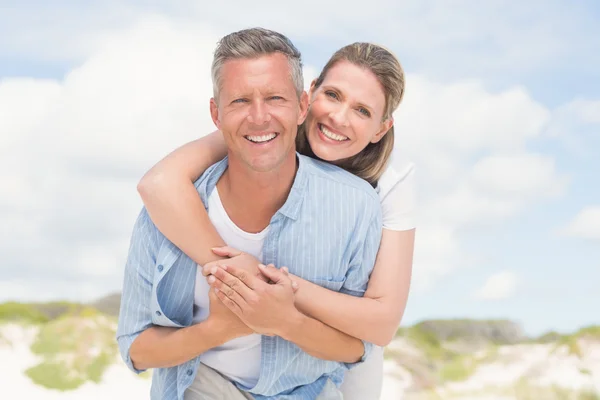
[258,111]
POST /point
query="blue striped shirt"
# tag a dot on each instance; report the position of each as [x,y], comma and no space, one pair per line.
[328,232]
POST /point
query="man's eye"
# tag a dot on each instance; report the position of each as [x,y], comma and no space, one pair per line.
[239,101]
[275,98]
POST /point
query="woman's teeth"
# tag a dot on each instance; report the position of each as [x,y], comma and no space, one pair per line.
[332,135]
[260,139]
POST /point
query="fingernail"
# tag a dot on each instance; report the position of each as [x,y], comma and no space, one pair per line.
[262,266]
[294,284]
[216,290]
[211,279]
[213,270]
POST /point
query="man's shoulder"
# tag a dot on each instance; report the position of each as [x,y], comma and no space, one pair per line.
[144,229]
[333,176]
[209,178]
[148,236]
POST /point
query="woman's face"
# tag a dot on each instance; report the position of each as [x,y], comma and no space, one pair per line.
[346,112]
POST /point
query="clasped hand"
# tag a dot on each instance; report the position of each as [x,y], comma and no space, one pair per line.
[260,296]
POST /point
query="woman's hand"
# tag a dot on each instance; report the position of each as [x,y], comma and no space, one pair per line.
[266,308]
[238,259]
[243,261]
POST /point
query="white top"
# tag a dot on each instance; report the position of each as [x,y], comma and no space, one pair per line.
[396,190]
[238,359]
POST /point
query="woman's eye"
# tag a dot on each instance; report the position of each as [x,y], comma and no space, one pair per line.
[331,94]
[364,111]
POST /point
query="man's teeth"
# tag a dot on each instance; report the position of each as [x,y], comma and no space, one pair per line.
[332,135]
[263,138]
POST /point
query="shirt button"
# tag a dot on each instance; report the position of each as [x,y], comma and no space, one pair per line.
[160,268]
[189,372]
[158,313]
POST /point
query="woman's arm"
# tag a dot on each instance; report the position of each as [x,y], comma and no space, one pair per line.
[173,203]
[376,316]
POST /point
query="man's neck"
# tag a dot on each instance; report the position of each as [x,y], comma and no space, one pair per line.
[251,198]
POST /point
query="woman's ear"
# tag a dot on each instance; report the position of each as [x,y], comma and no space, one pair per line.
[313,87]
[385,128]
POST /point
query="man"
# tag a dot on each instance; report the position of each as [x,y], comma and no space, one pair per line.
[280,207]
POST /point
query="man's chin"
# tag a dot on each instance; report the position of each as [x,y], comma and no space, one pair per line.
[267,163]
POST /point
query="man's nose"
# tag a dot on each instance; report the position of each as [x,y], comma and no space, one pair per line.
[259,113]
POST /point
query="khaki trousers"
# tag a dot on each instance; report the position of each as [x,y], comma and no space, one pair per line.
[211,385]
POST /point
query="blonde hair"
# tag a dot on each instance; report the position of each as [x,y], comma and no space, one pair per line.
[370,163]
[254,43]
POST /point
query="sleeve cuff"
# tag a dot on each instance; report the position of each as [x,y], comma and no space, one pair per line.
[124,347]
[368,348]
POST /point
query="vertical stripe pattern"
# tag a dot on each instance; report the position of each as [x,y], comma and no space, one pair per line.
[327,232]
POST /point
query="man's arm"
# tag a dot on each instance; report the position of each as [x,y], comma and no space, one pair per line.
[163,347]
[143,345]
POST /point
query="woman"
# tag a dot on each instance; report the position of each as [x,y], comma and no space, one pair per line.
[349,124]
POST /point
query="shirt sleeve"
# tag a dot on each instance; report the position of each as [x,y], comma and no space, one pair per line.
[399,203]
[135,315]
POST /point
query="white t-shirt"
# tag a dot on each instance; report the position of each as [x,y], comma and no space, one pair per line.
[238,359]
[396,189]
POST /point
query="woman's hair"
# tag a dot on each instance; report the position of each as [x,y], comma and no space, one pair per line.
[370,163]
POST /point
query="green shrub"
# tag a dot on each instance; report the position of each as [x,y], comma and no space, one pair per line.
[73,350]
[459,369]
[22,313]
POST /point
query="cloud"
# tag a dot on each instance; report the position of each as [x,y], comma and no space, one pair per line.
[77,146]
[586,224]
[576,126]
[497,187]
[457,40]
[443,124]
[474,167]
[499,286]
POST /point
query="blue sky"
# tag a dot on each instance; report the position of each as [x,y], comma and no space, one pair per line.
[501,116]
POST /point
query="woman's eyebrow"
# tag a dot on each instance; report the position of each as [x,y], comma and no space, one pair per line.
[341,93]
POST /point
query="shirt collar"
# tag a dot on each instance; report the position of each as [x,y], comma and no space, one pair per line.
[291,207]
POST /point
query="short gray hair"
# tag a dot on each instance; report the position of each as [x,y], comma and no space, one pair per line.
[253,43]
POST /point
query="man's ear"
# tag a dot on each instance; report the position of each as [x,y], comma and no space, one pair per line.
[385,127]
[214,113]
[303,107]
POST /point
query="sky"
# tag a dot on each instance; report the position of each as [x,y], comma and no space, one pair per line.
[501,117]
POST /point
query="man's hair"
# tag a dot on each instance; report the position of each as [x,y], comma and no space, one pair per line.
[254,43]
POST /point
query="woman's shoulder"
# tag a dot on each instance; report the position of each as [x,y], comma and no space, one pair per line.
[397,192]
[397,175]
